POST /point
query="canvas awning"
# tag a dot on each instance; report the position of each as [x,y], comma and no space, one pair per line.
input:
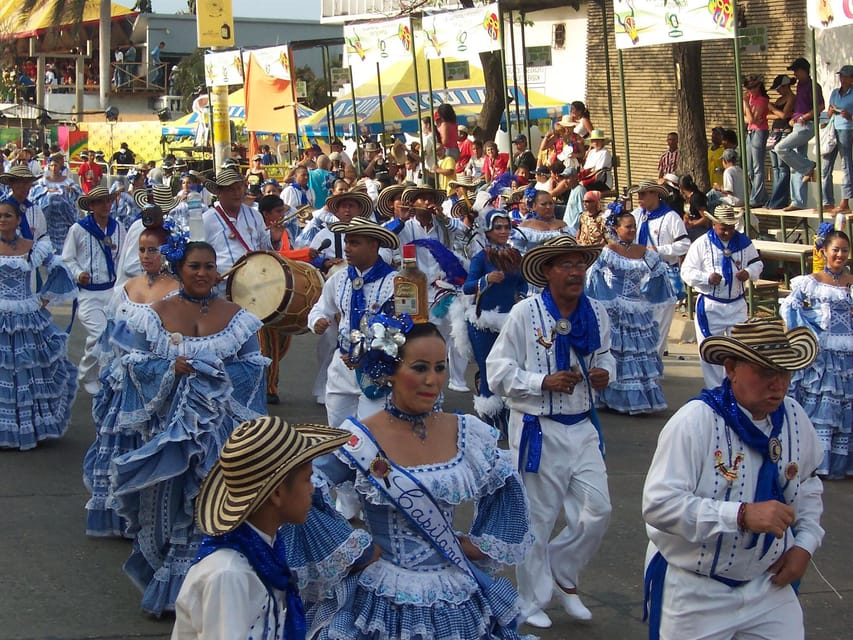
[20,25]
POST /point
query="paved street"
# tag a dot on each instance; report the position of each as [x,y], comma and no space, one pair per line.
[59,584]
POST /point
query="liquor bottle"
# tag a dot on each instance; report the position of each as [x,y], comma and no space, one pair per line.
[194,211]
[410,287]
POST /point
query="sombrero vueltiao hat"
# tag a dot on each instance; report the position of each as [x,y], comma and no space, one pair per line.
[18,172]
[255,459]
[159,195]
[463,181]
[365,204]
[364,227]
[460,209]
[538,257]
[225,178]
[385,203]
[98,193]
[725,214]
[650,185]
[411,193]
[764,343]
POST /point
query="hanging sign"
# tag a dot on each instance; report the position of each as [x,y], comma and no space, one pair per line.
[377,42]
[827,14]
[223,68]
[214,23]
[459,34]
[639,23]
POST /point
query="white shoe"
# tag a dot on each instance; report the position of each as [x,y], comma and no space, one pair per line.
[572,604]
[538,619]
[92,388]
[460,388]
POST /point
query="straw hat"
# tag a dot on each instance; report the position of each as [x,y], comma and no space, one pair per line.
[463,181]
[159,195]
[565,122]
[764,343]
[98,193]
[597,134]
[365,204]
[411,193]
[225,178]
[385,203]
[18,172]
[650,185]
[725,214]
[460,209]
[364,227]
[255,459]
[535,259]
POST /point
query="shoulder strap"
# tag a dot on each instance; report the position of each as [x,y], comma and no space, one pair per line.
[231,226]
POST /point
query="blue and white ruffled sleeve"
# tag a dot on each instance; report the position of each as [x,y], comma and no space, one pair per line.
[59,286]
[657,289]
[599,280]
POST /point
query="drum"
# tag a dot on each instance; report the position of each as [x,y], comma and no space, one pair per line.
[279,291]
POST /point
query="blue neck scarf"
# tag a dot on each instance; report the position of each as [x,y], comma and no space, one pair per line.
[358,301]
[270,564]
[644,235]
[583,336]
[739,242]
[89,224]
[26,231]
[722,401]
[303,194]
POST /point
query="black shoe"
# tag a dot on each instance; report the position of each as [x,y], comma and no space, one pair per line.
[272,398]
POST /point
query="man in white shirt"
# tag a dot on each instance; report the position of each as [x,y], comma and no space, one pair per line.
[296,195]
[731,502]
[661,229]
[552,352]
[91,248]
[718,266]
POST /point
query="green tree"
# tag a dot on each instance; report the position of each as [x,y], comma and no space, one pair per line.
[188,80]
[317,89]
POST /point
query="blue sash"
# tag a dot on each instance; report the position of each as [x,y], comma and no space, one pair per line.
[89,224]
[739,242]
[702,316]
[644,236]
[413,500]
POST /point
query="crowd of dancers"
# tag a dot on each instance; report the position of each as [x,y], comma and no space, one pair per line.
[561,322]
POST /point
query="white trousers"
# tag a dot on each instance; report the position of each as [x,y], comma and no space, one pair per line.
[457,362]
[327,347]
[722,316]
[699,608]
[91,312]
[572,478]
[663,314]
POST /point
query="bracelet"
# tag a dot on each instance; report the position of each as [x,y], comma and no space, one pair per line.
[741,517]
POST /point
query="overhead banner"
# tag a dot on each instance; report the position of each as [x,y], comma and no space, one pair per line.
[275,61]
[827,14]
[270,101]
[372,42]
[223,68]
[459,34]
[214,23]
[640,23]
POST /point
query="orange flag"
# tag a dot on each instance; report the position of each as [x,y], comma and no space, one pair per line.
[270,99]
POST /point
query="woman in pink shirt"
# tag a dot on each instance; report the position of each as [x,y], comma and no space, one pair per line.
[756,107]
[495,163]
[448,130]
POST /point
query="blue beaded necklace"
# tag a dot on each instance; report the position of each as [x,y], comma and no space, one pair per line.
[202,302]
[836,277]
[417,420]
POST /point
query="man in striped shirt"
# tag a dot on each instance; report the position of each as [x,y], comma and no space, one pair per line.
[668,162]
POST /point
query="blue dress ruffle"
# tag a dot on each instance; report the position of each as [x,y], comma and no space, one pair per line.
[629,289]
[183,421]
[825,388]
[412,592]
[37,381]
[58,202]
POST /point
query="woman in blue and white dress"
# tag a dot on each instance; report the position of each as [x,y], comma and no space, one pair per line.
[57,195]
[37,381]
[411,590]
[630,280]
[495,284]
[823,302]
[192,371]
[128,301]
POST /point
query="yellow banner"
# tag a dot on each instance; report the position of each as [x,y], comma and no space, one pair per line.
[215,23]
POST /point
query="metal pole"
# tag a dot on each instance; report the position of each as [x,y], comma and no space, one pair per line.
[816,121]
[355,124]
[417,88]
[514,70]
[524,62]
[503,71]
[381,108]
[327,76]
[624,118]
[741,126]
[609,91]
[429,86]
[220,125]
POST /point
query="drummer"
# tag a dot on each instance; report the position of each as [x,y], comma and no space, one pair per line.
[274,342]
[343,207]
[232,228]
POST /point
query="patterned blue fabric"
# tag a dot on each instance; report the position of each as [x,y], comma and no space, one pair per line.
[58,204]
[37,381]
[412,592]
[183,422]
[629,289]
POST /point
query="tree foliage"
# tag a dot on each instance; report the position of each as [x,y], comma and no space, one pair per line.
[188,80]
[317,89]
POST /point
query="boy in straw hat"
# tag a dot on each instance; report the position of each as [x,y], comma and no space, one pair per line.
[718,265]
[19,180]
[552,352]
[662,230]
[731,502]
[240,585]
[91,250]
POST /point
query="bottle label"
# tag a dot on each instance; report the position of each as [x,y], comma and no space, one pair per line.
[406,299]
